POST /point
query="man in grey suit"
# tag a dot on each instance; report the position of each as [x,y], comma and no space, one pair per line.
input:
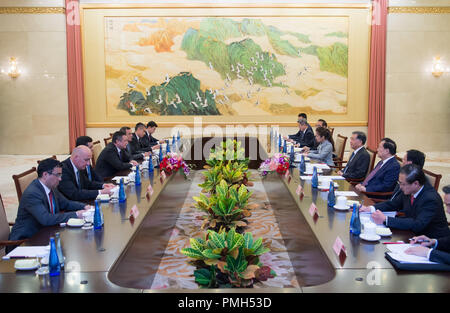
[41,203]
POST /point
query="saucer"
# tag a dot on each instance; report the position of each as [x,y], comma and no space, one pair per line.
[370,238]
[341,208]
[385,232]
[26,264]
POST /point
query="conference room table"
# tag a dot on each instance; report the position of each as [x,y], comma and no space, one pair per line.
[125,254]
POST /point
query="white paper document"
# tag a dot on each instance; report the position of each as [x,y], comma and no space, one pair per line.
[28,252]
[397,252]
[346,193]
[369,215]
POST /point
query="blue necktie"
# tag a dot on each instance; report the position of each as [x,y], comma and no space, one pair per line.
[88,169]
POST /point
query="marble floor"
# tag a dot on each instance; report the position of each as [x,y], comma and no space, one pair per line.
[437,162]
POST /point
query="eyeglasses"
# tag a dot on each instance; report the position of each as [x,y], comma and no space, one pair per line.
[59,175]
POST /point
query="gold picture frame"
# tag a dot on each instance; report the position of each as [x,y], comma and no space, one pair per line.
[94,54]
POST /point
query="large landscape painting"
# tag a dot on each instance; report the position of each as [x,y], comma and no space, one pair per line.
[226,66]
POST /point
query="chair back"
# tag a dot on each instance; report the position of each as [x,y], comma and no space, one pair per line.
[373,155]
[22,180]
[331,129]
[433,179]
[399,160]
[97,149]
[340,147]
[107,140]
[4,225]
[53,157]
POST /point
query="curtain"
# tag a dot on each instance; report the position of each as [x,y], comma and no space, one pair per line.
[377,76]
[77,124]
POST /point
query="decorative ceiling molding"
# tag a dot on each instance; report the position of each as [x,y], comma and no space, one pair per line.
[419,10]
[32,10]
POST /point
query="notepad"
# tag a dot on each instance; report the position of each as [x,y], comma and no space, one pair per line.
[27,252]
[369,215]
[397,252]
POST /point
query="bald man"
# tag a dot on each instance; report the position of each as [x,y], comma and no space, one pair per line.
[75,184]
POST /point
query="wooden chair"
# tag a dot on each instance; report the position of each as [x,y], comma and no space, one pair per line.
[97,149]
[22,180]
[107,140]
[433,179]
[339,147]
[372,154]
[53,157]
[4,229]
[331,131]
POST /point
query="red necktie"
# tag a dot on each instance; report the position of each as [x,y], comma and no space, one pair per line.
[372,174]
[412,199]
[50,196]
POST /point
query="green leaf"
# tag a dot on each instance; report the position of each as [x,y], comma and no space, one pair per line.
[195,244]
[248,240]
[203,276]
[209,254]
[192,253]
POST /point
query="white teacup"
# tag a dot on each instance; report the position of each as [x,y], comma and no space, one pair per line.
[325,183]
[341,202]
[88,216]
[370,229]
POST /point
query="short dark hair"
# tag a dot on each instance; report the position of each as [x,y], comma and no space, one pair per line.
[360,136]
[47,165]
[324,123]
[151,124]
[446,189]
[118,135]
[390,145]
[139,125]
[303,115]
[416,157]
[83,141]
[124,129]
[413,172]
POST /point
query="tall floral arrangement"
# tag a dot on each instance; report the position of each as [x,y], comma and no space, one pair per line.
[172,162]
[278,162]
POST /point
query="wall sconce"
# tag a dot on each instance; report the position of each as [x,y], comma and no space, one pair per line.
[437,69]
[13,71]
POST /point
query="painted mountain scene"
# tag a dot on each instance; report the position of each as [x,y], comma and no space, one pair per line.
[226,66]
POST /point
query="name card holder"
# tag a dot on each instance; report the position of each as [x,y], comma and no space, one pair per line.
[340,250]
[299,190]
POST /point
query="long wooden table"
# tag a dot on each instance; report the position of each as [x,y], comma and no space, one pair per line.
[107,260]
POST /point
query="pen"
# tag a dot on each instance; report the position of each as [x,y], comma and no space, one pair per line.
[420,240]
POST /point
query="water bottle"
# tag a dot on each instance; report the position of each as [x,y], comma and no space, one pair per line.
[150,164]
[178,136]
[137,178]
[292,157]
[59,249]
[355,207]
[53,261]
[285,147]
[160,155]
[331,196]
[315,179]
[279,143]
[97,216]
[356,227]
[174,145]
[168,147]
[302,165]
[122,196]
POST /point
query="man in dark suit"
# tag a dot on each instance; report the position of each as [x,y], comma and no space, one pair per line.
[359,160]
[41,203]
[137,143]
[75,184]
[436,250]
[385,175]
[148,140]
[305,136]
[411,157]
[91,173]
[132,150]
[420,203]
[113,157]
